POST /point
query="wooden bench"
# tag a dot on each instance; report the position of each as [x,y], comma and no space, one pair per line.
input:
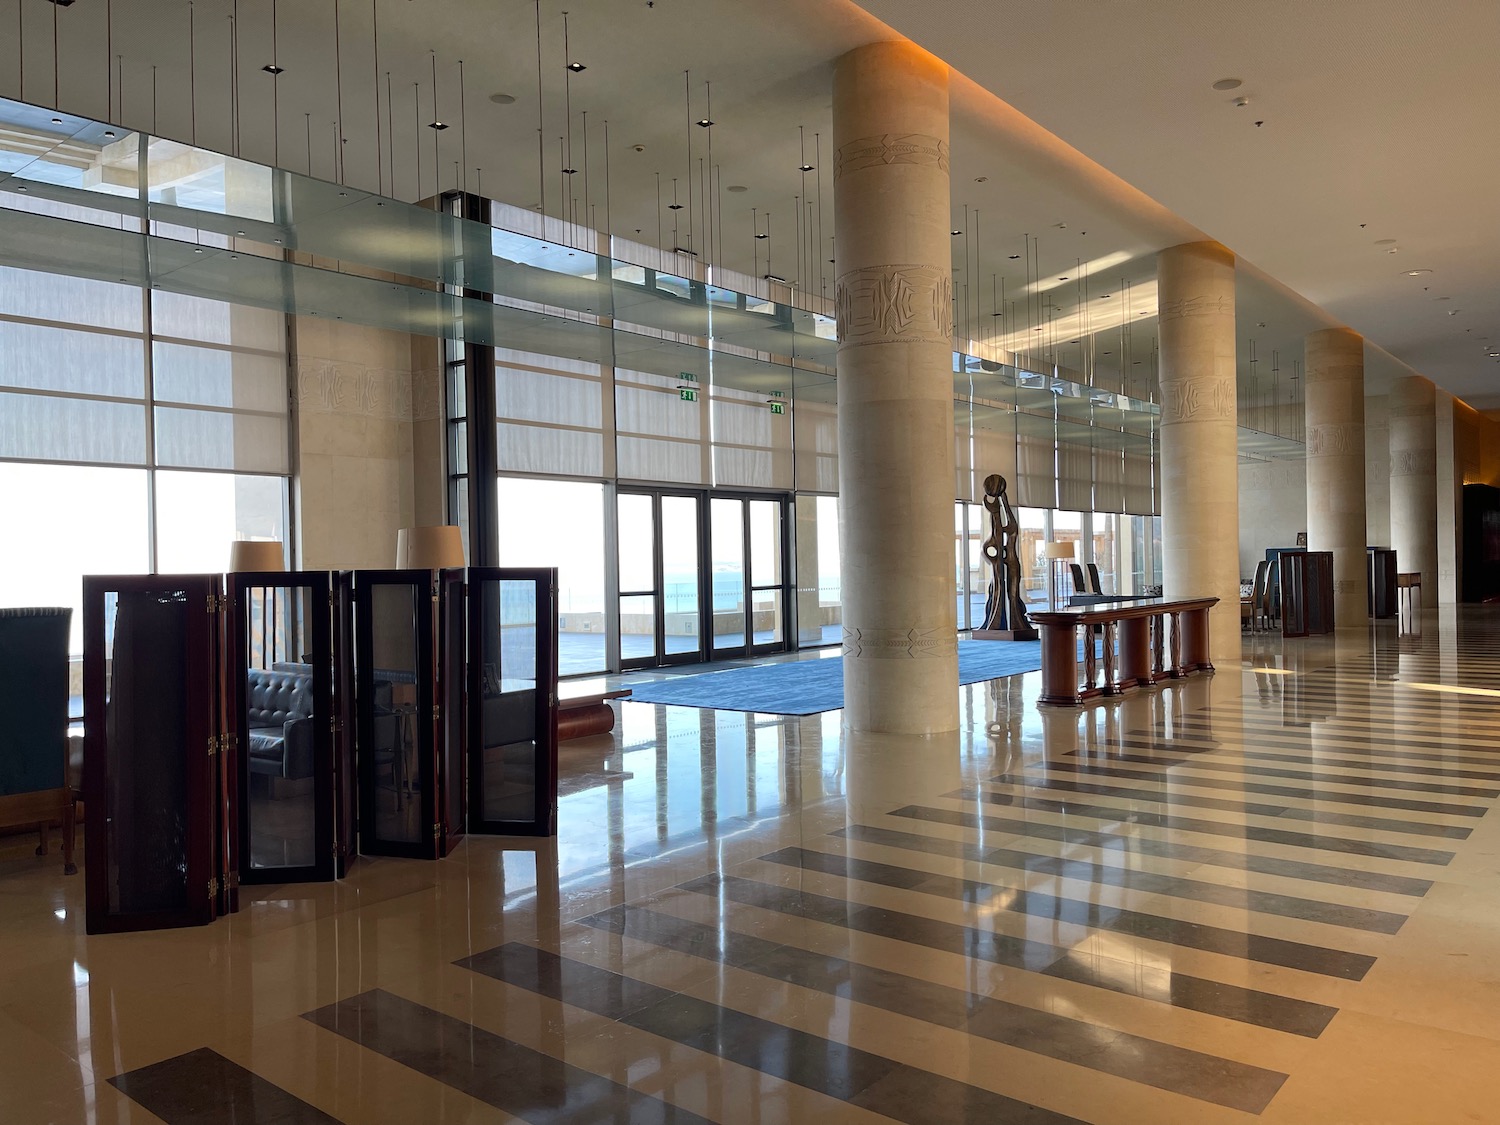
[583,708]
[1148,651]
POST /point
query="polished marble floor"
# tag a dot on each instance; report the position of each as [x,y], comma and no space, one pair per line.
[1272,893]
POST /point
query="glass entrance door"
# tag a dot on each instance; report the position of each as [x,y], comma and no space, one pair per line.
[661,585]
[747,552]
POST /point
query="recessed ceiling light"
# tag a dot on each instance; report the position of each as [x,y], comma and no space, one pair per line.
[736,188]
[438,125]
[1385,242]
[1415,273]
[1442,298]
[956,233]
[503,99]
[570,171]
[762,236]
[704,123]
[1105,297]
[57,121]
[1228,84]
[804,167]
[273,69]
[575,67]
[1062,279]
[109,133]
[981,179]
[674,206]
[1013,257]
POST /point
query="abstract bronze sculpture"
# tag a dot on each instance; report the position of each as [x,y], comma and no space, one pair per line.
[1004,612]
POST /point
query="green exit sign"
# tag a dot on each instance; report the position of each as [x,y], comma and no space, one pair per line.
[778,408]
[687,394]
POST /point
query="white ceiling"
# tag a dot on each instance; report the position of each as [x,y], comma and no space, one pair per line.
[1378,124]
[1394,139]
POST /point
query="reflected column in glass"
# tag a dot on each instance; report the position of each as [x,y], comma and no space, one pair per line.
[393,676]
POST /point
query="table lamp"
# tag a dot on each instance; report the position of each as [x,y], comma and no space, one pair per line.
[429,548]
[256,554]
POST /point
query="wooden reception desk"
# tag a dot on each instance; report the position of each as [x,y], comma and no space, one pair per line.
[1157,639]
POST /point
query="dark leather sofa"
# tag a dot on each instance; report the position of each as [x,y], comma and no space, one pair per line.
[278,713]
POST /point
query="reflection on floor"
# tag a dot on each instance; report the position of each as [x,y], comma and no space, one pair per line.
[1273,892]
[283,822]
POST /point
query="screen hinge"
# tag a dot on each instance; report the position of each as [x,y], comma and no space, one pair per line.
[213,745]
[213,887]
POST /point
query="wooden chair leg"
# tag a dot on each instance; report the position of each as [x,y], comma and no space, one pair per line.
[70,830]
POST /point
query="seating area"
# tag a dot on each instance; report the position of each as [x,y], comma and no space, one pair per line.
[1260,601]
[278,712]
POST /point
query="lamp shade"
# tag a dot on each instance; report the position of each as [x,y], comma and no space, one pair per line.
[256,554]
[1060,550]
[429,548]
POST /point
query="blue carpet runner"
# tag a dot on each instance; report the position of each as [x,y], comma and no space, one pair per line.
[806,687]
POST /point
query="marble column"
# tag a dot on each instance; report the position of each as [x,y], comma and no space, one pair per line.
[1335,406]
[1414,480]
[1200,508]
[894,299]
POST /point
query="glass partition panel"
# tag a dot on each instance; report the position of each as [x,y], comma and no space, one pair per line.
[280,645]
[681,585]
[513,688]
[150,714]
[394,669]
[1034,586]
[727,562]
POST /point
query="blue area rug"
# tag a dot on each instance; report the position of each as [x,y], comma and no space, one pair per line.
[806,687]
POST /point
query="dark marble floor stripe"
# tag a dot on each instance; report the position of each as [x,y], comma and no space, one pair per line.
[1171,849]
[1366,745]
[1132,978]
[850,1075]
[491,1069]
[202,1087]
[1177,799]
[1373,848]
[1226,942]
[1146,882]
[1163,1065]
[1178,746]
[1238,759]
[1312,791]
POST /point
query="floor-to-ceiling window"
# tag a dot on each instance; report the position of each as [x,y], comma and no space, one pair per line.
[139,430]
[560,523]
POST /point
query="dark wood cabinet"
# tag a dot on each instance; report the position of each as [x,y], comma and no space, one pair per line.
[1306,593]
[1382,581]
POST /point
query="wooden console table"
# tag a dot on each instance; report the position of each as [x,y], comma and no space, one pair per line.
[1148,651]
